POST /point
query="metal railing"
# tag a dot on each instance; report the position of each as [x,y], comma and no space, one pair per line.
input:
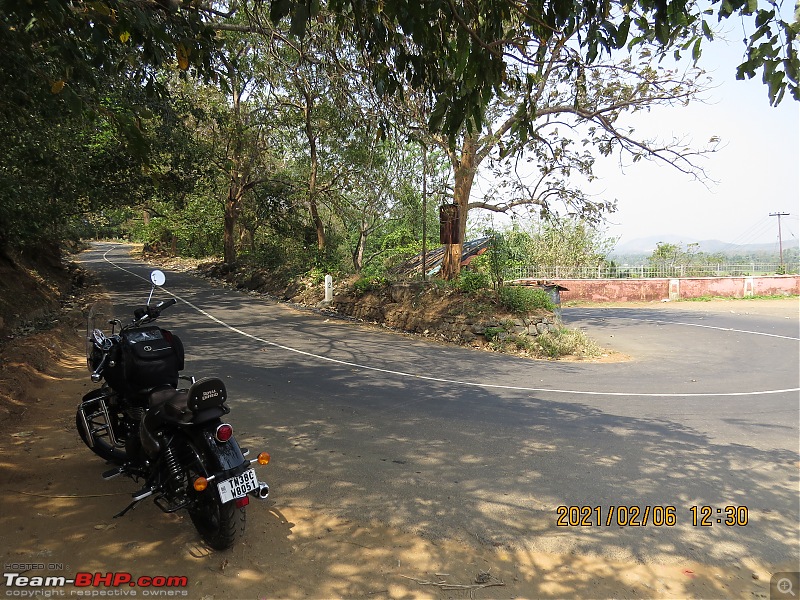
[644,271]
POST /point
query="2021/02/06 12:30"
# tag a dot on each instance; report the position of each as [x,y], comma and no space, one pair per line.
[642,516]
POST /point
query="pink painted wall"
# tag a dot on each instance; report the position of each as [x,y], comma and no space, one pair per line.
[627,290]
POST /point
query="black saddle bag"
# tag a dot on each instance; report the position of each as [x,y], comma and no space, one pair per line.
[150,359]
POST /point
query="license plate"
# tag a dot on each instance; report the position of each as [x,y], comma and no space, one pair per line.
[238,486]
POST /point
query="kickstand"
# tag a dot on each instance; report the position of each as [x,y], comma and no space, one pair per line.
[130,506]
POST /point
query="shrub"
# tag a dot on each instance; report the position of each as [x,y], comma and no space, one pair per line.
[316,275]
[369,284]
[521,299]
[563,341]
[493,333]
[472,281]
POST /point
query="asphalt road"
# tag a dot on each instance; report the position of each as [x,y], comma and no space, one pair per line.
[450,442]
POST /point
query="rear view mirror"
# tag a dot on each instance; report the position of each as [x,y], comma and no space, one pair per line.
[158,278]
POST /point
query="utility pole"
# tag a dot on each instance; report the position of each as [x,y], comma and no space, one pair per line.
[780,237]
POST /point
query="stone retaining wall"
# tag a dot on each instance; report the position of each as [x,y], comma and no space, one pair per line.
[413,308]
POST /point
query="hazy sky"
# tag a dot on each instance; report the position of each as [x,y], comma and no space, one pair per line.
[756,169]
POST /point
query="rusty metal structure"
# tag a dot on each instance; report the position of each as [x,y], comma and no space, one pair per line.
[434,258]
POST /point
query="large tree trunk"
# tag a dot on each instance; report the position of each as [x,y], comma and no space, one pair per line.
[361,244]
[233,205]
[318,224]
[358,253]
[464,177]
[312,179]
[236,175]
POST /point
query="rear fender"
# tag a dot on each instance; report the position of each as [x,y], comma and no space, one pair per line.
[221,459]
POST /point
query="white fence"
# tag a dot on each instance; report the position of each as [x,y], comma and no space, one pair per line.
[642,271]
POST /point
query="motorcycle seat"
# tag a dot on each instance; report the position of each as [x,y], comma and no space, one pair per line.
[173,403]
[204,401]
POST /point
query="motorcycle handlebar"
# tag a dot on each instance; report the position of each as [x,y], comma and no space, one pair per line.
[152,312]
[166,304]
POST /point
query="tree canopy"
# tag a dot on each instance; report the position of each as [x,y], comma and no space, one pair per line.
[299,128]
[459,52]
[464,52]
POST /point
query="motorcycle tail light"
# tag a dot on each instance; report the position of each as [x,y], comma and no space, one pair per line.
[200,484]
[224,433]
[242,502]
[263,458]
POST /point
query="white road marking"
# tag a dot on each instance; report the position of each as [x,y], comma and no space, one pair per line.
[658,321]
[456,381]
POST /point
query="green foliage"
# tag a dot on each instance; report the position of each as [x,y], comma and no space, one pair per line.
[465,60]
[503,253]
[553,343]
[492,334]
[369,284]
[562,243]
[522,300]
[471,281]
[58,165]
[316,275]
[100,127]
[70,50]
[689,259]
[194,231]
[569,242]
[564,341]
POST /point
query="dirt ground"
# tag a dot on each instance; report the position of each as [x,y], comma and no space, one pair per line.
[56,520]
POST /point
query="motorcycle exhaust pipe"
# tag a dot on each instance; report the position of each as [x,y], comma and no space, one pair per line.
[262,493]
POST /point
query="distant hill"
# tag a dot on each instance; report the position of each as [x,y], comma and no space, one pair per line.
[646,245]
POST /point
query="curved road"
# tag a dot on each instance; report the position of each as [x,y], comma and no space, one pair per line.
[450,442]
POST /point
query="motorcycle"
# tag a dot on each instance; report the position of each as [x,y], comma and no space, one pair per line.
[170,438]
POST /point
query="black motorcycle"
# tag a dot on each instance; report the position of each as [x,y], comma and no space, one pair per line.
[171,439]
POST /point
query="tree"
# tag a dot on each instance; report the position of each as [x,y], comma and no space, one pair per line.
[572,242]
[569,242]
[314,92]
[182,210]
[384,201]
[239,123]
[72,48]
[461,51]
[329,114]
[243,135]
[667,257]
[540,143]
[58,165]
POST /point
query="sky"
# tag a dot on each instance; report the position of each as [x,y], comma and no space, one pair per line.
[755,172]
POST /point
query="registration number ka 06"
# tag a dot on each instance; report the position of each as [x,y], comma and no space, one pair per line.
[238,486]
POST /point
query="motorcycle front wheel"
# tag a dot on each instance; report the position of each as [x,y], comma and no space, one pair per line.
[220,525]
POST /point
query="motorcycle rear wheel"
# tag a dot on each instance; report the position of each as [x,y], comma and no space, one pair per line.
[102,446]
[220,525]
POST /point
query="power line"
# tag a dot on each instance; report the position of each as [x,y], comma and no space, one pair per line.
[752,234]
